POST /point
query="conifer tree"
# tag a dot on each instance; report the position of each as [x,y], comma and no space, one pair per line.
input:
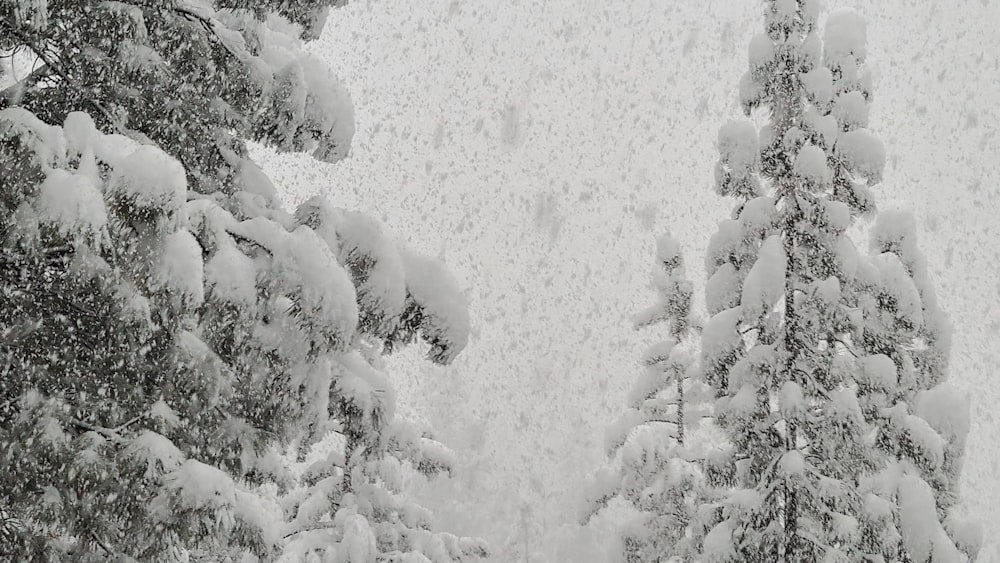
[844,440]
[167,331]
[653,470]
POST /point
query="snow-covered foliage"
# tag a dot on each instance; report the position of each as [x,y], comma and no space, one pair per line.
[654,470]
[168,333]
[221,74]
[844,439]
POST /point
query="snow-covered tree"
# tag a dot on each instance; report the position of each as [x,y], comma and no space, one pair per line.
[195,77]
[654,471]
[922,421]
[167,331]
[844,442]
[400,295]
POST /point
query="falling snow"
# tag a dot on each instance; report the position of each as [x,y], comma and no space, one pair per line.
[492,180]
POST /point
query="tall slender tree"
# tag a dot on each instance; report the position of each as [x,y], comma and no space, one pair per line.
[828,366]
[653,470]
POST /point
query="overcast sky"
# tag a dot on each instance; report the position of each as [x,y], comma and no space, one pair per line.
[539,147]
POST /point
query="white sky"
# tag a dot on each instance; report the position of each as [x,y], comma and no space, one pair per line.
[539,147]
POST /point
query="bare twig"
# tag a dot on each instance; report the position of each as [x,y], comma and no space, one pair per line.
[113,434]
[129,422]
[106,432]
[847,346]
[101,543]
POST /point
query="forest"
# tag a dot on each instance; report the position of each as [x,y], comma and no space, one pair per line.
[245,316]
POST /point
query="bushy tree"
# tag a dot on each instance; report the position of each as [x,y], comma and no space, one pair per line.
[167,331]
[843,441]
[828,365]
[654,471]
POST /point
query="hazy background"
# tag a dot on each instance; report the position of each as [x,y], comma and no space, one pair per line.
[539,147]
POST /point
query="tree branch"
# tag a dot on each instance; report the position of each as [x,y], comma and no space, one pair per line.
[98,541]
[11,95]
[113,434]
[106,432]
[207,24]
[55,68]
[846,346]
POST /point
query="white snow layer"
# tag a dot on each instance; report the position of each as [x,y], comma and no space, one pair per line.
[668,249]
[72,203]
[720,337]
[765,284]
[851,110]
[359,540]
[879,371]
[757,215]
[150,178]
[784,11]
[309,271]
[445,308]
[838,215]
[896,228]
[80,132]
[231,276]
[718,543]
[361,236]
[923,535]
[895,281]
[328,110]
[158,453]
[791,400]
[722,291]
[199,485]
[946,410]
[792,463]
[45,141]
[722,244]
[618,431]
[760,52]
[738,147]
[810,165]
[845,36]
[862,153]
[326,289]
[825,126]
[181,266]
[162,412]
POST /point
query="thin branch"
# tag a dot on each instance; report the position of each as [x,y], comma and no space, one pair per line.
[674,422]
[847,347]
[114,434]
[101,543]
[248,240]
[207,24]
[129,422]
[106,432]
[312,528]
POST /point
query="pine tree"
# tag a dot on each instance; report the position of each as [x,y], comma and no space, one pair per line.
[844,442]
[167,331]
[654,470]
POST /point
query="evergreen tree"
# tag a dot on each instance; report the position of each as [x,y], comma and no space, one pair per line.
[844,442]
[167,331]
[654,470]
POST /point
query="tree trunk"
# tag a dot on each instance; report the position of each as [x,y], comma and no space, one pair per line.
[786,114]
